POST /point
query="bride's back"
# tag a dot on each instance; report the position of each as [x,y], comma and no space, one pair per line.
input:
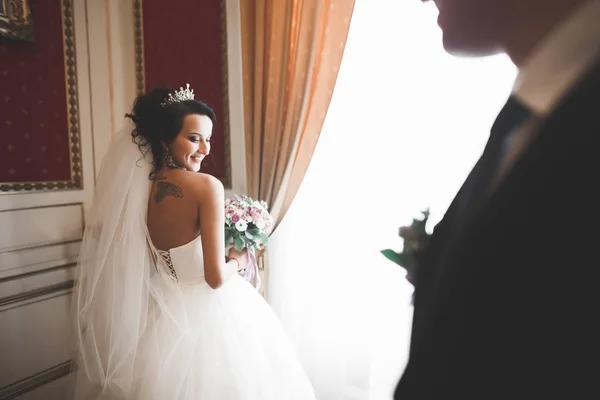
[173,209]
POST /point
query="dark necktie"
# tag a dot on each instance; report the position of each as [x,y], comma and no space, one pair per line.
[511,116]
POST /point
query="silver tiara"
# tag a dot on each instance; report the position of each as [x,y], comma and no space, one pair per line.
[179,96]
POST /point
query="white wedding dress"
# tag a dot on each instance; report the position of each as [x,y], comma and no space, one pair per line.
[146,324]
[222,344]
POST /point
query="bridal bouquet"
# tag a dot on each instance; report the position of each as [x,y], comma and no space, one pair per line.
[247,225]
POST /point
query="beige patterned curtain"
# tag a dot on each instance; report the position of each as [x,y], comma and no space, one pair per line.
[291,50]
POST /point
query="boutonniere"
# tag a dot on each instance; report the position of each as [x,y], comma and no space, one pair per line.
[415,240]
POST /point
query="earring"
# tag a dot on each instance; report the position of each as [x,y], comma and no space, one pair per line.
[170,161]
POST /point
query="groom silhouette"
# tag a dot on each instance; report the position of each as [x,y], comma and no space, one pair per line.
[506,295]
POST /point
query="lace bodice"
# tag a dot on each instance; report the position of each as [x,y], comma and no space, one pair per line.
[184,264]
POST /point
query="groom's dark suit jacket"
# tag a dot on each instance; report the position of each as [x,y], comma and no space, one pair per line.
[507,298]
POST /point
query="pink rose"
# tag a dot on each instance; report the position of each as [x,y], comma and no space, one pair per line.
[235,218]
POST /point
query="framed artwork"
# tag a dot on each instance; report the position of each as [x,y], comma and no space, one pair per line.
[15,20]
[39,106]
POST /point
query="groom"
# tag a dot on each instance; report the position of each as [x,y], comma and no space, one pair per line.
[507,300]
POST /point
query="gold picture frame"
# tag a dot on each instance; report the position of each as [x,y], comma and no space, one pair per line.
[15,20]
[75,182]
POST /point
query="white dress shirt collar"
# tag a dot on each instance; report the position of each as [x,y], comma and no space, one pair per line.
[566,54]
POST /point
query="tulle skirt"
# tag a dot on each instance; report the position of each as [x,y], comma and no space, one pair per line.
[224,344]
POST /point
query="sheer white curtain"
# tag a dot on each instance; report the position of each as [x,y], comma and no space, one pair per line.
[406,124]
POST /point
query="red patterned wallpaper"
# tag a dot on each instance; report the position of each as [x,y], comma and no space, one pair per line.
[34,131]
[184,41]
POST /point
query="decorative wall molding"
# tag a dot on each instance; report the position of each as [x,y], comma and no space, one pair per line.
[33,227]
[70,67]
[28,274]
[235,107]
[41,224]
[35,381]
[138,33]
[29,296]
[227,180]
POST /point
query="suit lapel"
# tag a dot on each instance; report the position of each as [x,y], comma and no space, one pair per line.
[449,236]
[444,228]
[550,132]
[457,239]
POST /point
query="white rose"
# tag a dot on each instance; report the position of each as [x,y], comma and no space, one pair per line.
[260,223]
[241,225]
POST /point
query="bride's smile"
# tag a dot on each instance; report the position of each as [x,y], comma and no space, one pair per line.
[192,144]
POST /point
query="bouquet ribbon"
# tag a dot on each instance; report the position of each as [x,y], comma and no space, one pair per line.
[251,271]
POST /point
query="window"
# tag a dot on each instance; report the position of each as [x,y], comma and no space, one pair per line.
[406,124]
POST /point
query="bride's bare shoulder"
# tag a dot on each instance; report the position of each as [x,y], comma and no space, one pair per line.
[204,185]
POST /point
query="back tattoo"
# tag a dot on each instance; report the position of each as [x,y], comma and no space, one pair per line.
[164,189]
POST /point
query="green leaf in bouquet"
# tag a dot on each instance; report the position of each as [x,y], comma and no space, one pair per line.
[264,239]
[228,236]
[239,243]
[406,261]
[392,256]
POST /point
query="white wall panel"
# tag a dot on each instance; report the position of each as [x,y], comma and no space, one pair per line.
[30,260]
[40,226]
[34,334]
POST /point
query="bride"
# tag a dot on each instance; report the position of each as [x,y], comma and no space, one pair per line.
[160,312]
